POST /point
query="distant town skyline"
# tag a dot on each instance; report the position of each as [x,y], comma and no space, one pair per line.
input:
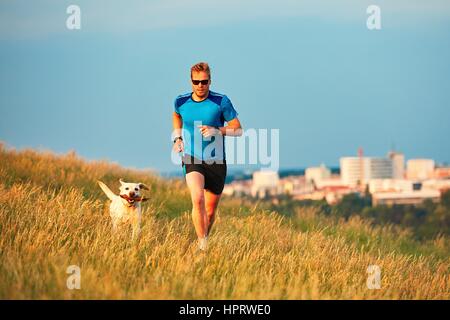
[389,180]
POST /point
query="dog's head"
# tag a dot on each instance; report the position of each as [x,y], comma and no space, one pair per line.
[132,191]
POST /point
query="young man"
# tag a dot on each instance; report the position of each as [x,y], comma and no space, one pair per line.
[198,123]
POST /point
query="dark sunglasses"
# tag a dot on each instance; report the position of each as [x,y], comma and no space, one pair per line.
[197,82]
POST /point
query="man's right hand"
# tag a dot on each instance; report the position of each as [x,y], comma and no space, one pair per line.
[178,146]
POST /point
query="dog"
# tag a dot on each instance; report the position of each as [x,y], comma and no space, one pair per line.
[126,207]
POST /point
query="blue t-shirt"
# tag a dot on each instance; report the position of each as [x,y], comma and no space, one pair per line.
[213,111]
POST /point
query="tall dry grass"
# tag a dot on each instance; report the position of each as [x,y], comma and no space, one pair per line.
[52,215]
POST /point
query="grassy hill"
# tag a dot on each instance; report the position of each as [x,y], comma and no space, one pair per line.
[53,215]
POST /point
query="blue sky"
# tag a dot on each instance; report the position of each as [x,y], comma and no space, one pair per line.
[309,68]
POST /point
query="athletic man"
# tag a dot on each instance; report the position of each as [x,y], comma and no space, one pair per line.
[198,123]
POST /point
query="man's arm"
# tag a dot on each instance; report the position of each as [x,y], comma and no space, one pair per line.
[177,123]
[233,128]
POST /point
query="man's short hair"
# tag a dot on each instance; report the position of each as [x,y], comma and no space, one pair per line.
[201,66]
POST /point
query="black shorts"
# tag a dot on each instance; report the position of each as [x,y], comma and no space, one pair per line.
[214,173]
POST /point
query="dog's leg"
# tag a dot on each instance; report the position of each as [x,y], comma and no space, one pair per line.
[137,224]
[114,226]
[136,230]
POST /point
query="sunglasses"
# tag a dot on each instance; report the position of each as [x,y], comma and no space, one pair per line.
[197,82]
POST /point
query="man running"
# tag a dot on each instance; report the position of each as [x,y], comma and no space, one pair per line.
[198,123]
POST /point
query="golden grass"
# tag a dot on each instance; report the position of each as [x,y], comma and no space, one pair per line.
[52,215]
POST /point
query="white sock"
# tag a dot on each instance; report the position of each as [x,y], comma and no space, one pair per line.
[203,243]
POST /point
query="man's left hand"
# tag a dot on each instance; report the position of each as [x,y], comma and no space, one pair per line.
[208,131]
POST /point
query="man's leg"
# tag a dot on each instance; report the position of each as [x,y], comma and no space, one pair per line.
[196,182]
[211,203]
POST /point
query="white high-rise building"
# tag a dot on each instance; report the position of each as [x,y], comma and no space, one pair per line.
[420,169]
[355,170]
[398,165]
[380,168]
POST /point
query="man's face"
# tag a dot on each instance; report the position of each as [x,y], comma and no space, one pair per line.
[201,90]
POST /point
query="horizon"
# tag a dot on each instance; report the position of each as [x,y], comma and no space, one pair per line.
[235,169]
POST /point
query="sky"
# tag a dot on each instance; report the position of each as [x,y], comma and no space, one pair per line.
[311,69]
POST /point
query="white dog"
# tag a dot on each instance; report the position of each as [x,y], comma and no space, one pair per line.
[126,207]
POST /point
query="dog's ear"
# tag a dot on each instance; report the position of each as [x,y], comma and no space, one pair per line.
[121,181]
[143,186]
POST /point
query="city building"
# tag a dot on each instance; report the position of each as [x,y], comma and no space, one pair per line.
[238,188]
[292,185]
[436,184]
[398,164]
[386,179]
[317,174]
[392,185]
[420,169]
[333,181]
[359,170]
[413,197]
[442,172]
[265,183]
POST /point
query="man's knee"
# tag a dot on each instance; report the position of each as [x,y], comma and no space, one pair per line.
[198,200]
[210,209]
